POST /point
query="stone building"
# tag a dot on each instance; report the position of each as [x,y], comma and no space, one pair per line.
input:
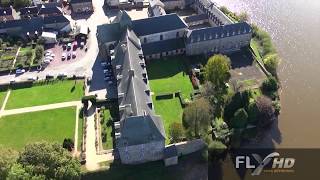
[141,136]
[156,8]
[173,4]
[80,6]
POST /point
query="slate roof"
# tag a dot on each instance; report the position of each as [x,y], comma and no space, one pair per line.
[109,32]
[197,17]
[170,151]
[49,10]
[138,122]
[79,1]
[157,24]
[25,25]
[55,19]
[29,11]
[206,34]
[5,11]
[163,46]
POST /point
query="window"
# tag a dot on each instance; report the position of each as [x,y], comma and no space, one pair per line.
[145,40]
[161,37]
[177,35]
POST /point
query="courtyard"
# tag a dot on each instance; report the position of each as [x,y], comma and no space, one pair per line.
[169,76]
[49,125]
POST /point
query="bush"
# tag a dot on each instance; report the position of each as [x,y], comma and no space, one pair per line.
[270,85]
[240,119]
[277,107]
[39,52]
[252,111]
[164,96]
[271,63]
[176,132]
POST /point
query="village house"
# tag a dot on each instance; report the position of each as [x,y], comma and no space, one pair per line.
[81,6]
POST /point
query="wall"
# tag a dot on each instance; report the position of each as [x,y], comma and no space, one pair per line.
[142,153]
[222,45]
[171,5]
[189,147]
[82,7]
[166,35]
[171,161]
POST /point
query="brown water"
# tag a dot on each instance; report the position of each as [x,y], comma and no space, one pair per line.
[295,29]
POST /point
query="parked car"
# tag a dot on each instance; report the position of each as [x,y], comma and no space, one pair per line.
[32,78]
[74,54]
[81,45]
[75,45]
[62,75]
[20,71]
[69,46]
[49,58]
[47,61]
[69,56]
[64,56]
[64,46]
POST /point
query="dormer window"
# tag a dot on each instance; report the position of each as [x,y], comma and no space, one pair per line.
[227,34]
[216,36]
[233,33]
[245,31]
[222,35]
[147,92]
[144,75]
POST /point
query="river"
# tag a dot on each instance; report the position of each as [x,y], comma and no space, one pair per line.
[294,26]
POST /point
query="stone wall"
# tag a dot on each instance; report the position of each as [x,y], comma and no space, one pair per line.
[171,5]
[142,153]
[188,147]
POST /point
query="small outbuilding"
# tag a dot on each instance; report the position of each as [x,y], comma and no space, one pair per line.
[49,37]
[170,155]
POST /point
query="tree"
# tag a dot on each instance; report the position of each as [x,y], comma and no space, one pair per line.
[39,52]
[271,63]
[196,118]
[240,119]
[216,149]
[7,159]
[49,160]
[217,71]
[176,132]
[270,85]
[29,54]
[21,3]
[266,112]
[17,172]
[68,144]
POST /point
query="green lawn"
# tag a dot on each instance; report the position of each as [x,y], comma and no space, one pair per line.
[170,111]
[51,125]
[2,96]
[53,92]
[107,128]
[169,75]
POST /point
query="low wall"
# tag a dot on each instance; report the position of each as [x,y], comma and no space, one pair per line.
[188,147]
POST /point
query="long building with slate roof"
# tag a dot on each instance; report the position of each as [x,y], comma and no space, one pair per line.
[140,135]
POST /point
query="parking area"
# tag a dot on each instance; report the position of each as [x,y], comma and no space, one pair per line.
[64,53]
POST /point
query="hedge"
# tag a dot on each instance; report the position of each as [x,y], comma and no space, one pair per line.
[164,96]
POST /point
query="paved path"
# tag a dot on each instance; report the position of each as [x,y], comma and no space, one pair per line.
[5,102]
[40,108]
[15,59]
[75,152]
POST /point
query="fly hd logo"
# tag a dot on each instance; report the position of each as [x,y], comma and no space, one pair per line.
[279,164]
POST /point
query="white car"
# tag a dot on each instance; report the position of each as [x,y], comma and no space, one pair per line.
[20,71]
[74,54]
[32,78]
[49,58]
[64,56]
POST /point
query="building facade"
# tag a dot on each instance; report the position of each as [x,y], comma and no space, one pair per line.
[80,6]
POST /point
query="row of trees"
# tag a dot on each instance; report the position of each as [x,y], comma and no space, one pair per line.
[40,160]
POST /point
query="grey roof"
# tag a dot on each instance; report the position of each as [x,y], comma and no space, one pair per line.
[55,19]
[25,25]
[157,24]
[170,151]
[108,32]
[79,1]
[163,46]
[123,19]
[5,11]
[197,17]
[210,33]
[49,10]
[139,124]
[33,10]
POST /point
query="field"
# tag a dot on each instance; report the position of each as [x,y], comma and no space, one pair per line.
[2,96]
[53,92]
[51,125]
[169,75]
[170,111]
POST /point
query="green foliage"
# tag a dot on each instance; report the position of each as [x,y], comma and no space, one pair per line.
[217,71]
[5,3]
[17,172]
[49,160]
[39,52]
[7,160]
[277,107]
[238,100]
[266,112]
[196,118]
[271,63]
[264,41]
[176,132]
[270,85]
[21,3]
[215,149]
[240,119]
[252,111]
[243,17]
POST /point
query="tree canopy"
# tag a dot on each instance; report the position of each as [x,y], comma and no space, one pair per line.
[196,118]
[266,112]
[271,63]
[176,132]
[217,70]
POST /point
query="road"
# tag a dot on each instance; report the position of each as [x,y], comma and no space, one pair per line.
[81,67]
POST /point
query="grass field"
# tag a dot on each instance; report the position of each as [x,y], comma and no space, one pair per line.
[170,111]
[51,125]
[53,92]
[2,96]
[168,76]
